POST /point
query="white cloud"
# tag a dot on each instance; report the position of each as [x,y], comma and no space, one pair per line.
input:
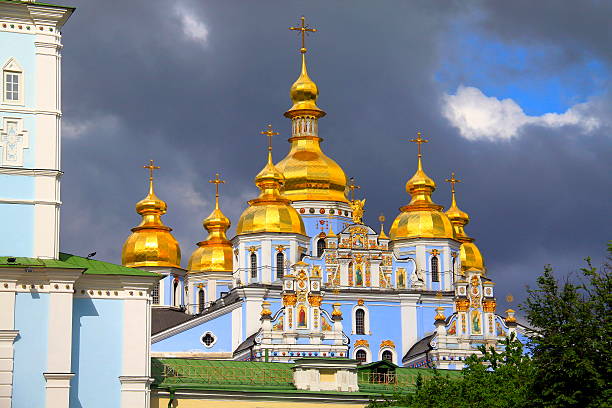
[478,116]
[193,28]
[75,128]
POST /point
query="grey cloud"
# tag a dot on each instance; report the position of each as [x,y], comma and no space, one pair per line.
[198,110]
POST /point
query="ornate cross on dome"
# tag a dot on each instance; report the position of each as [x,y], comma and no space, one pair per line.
[453,181]
[352,186]
[304,30]
[419,141]
[151,167]
[269,132]
[216,181]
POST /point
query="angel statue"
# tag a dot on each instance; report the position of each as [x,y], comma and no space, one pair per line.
[357,208]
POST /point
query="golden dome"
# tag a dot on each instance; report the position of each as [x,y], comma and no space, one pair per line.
[304,93]
[215,253]
[309,173]
[270,212]
[471,258]
[151,243]
[421,218]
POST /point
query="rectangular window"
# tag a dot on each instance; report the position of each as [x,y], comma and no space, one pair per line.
[11,86]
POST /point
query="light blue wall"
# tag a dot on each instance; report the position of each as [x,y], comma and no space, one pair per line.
[30,357]
[189,340]
[21,187]
[18,219]
[18,227]
[21,47]
[97,341]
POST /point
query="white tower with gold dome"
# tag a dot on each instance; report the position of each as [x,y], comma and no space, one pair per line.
[211,265]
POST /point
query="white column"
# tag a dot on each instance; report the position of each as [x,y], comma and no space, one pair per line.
[47,152]
[409,321]
[7,338]
[135,372]
[448,268]
[266,261]
[421,264]
[237,336]
[293,252]
[211,290]
[59,342]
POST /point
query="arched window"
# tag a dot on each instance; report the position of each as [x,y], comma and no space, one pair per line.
[155,294]
[359,321]
[435,273]
[361,356]
[320,247]
[175,292]
[201,300]
[387,355]
[280,265]
[253,265]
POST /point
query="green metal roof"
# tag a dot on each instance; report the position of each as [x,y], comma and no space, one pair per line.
[254,376]
[68,261]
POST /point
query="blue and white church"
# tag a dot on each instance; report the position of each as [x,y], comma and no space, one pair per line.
[305,277]
[74,331]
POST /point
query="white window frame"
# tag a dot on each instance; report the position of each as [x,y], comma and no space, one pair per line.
[366,320]
[367,351]
[393,354]
[215,338]
[13,67]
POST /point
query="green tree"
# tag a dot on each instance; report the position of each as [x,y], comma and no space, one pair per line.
[492,380]
[569,354]
[571,339]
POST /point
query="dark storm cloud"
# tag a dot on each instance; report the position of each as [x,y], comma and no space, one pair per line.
[136,87]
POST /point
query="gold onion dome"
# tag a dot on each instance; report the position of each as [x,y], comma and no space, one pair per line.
[270,212]
[421,218]
[309,173]
[215,253]
[151,243]
[471,258]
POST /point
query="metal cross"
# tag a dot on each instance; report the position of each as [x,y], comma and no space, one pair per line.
[353,187]
[269,133]
[419,140]
[304,30]
[151,168]
[453,181]
[216,182]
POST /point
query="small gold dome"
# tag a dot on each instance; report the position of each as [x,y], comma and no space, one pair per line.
[304,93]
[471,258]
[215,254]
[270,212]
[151,243]
[421,218]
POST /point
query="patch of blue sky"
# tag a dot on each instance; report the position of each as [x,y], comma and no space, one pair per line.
[536,77]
